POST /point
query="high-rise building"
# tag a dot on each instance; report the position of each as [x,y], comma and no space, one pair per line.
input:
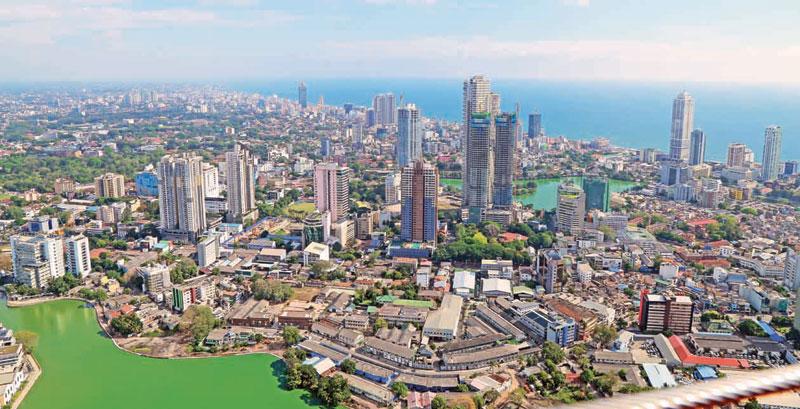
[211,180]
[505,163]
[240,165]
[674,173]
[385,109]
[791,167]
[737,153]
[392,188]
[682,125]
[64,186]
[371,117]
[109,185]
[659,313]
[316,228]
[37,260]
[479,165]
[146,183]
[79,261]
[181,197]
[551,268]
[419,208]
[155,278]
[771,160]
[534,125]
[476,98]
[302,94]
[325,147]
[332,189]
[570,209]
[598,193]
[409,135]
[697,151]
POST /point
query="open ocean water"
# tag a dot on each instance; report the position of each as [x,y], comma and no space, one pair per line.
[634,114]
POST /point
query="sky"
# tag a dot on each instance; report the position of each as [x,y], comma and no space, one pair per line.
[630,40]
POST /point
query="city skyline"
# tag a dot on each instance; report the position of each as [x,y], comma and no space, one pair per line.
[216,39]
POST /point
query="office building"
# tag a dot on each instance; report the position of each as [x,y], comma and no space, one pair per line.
[146,183]
[479,165]
[37,260]
[409,135]
[393,192]
[240,166]
[332,189]
[697,151]
[770,167]
[302,95]
[385,109]
[505,163]
[155,278]
[476,98]
[737,155]
[598,194]
[181,197]
[791,168]
[674,173]
[325,149]
[570,209]
[316,227]
[534,125]
[79,261]
[211,180]
[420,182]
[109,185]
[658,313]
[682,125]
[43,224]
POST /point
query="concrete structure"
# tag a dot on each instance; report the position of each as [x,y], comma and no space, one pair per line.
[419,210]
[79,261]
[393,192]
[37,260]
[570,209]
[479,165]
[770,167]
[211,185]
[598,194]
[155,279]
[443,323]
[505,164]
[208,250]
[315,252]
[535,125]
[385,109]
[239,173]
[109,185]
[302,95]
[658,313]
[682,125]
[332,190]
[737,154]
[146,183]
[697,150]
[409,135]
[181,197]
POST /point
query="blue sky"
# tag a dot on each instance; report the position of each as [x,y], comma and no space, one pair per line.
[677,40]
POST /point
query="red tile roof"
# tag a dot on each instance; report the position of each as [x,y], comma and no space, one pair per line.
[687,357]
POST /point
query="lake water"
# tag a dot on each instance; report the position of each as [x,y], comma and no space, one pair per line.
[633,114]
[546,194]
[83,369]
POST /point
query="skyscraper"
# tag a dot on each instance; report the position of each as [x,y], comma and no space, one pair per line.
[571,209]
[770,167]
[420,182]
[682,124]
[37,260]
[332,190]
[598,193]
[241,183]
[505,149]
[210,180]
[479,165]
[181,197]
[302,94]
[325,147]
[697,151]
[385,109]
[534,124]
[737,153]
[79,261]
[392,189]
[409,135]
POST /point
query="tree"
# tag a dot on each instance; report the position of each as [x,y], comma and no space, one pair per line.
[380,323]
[752,404]
[348,366]
[462,387]
[28,339]
[478,400]
[183,270]
[491,395]
[604,334]
[270,290]
[291,335]
[751,328]
[199,320]
[334,390]
[552,352]
[400,389]
[439,402]
[127,324]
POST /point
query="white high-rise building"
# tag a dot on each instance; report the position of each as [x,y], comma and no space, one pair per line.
[37,260]
[385,109]
[737,155]
[409,135]
[477,144]
[210,180]
[682,125]
[771,160]
[181,197]
[571,209]
[791,272]
[392,188]
[79,261]
[241,183]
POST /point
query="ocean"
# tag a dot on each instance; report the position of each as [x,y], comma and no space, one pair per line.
[633,114]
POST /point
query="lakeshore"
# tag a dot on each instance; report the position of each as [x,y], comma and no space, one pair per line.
[71,338]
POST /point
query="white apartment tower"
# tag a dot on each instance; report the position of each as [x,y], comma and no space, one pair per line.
[771,160]
[181,197]
[79,261]
[37,260]
[241,183]
[409,135]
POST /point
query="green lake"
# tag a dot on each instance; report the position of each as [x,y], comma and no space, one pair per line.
[544,198]
[82,369]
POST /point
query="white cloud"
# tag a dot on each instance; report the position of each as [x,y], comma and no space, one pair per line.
[228,3]
[578,3]
[28,12]
[409,2]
